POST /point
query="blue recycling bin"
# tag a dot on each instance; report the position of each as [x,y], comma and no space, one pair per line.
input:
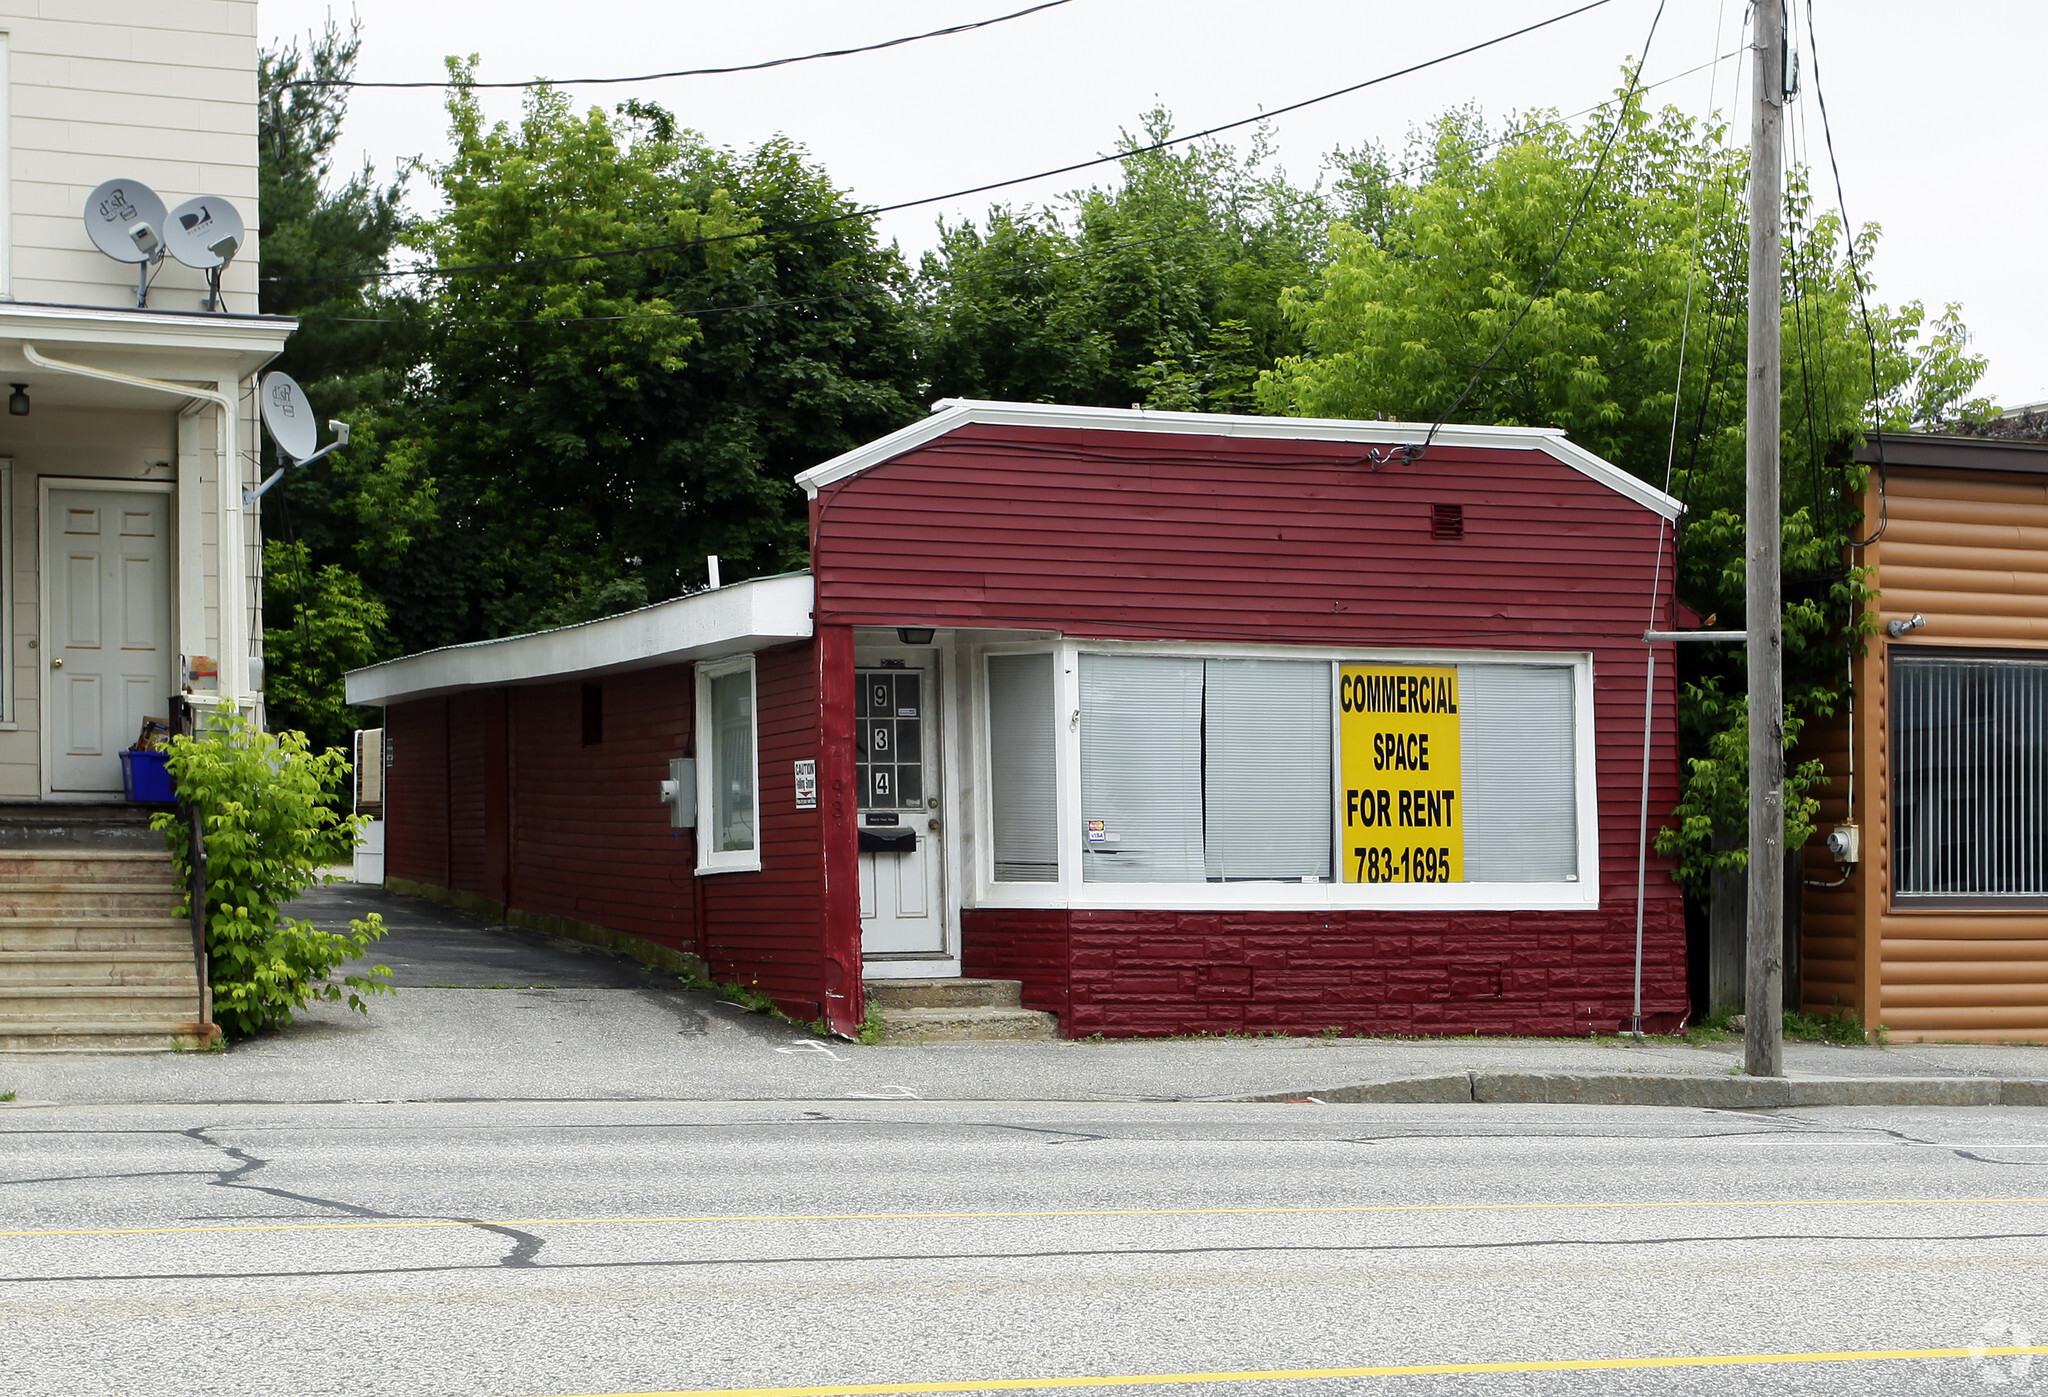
[146,779]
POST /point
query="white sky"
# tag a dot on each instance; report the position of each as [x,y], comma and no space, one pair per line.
[1937,114]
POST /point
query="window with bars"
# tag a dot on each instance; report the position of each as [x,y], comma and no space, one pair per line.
[1969,777]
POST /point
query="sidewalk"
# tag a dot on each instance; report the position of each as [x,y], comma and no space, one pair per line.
[495,1013]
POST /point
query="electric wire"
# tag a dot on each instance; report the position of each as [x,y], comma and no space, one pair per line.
[1563,242]
[691,72]
[875,210]
[1862,291]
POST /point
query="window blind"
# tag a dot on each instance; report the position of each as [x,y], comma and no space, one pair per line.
[1266,778]
[1970,774]
[1520,760]
[1021,769]
[1141,769]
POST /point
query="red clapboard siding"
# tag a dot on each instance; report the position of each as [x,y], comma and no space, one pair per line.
[416,792]
[590,838]
[766,929]
[1130,535]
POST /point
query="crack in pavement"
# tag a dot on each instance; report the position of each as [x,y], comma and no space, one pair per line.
[1112,1253]
[525,1245]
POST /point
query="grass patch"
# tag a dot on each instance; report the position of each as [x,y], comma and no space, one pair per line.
[1838,1025]
[6,1096]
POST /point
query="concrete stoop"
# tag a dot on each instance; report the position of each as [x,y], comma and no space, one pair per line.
[956,1011]
[93,956]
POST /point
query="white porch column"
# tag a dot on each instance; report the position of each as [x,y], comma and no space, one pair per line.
[193,422]
[233,559]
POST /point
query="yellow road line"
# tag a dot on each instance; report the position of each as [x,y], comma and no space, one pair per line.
[409,1224]
[1404,1370]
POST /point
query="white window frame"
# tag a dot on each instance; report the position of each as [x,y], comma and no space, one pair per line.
[1579,894]
[710,860]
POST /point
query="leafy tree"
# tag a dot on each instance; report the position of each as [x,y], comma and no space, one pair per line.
[323,240]
[1164,290]
[1479,237]
[633,373]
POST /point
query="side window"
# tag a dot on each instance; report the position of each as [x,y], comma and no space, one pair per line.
[728,767]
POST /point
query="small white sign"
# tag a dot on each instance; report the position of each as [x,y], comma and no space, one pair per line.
[807,785]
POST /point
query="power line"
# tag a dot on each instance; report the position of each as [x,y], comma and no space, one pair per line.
[693,72]
[877,210]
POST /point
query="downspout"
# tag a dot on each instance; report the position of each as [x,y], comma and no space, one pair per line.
[234,645]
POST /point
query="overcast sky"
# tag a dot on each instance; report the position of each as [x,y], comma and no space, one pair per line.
[1937,114]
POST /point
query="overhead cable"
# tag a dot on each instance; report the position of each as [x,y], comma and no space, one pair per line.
[875,210]
[692,72]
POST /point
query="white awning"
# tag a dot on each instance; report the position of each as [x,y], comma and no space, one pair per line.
[733,620]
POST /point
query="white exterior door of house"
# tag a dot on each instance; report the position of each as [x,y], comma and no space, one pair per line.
[902,899]
[107,637]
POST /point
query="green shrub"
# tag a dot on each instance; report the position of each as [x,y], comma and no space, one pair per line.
[265,802]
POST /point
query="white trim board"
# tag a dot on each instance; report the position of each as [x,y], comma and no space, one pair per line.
[949,414]
[733,620]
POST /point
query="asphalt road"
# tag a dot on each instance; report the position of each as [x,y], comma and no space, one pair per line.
[538,1248]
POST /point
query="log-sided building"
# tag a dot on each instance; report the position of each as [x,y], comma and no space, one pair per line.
[1937,928]
[1187,722]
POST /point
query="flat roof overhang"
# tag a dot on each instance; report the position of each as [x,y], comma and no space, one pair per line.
[734,620]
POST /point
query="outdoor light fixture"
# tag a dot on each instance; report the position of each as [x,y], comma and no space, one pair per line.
[1897,628]
[914,635]
[17,401]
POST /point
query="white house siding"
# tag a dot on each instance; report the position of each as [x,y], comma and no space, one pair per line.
[158,90]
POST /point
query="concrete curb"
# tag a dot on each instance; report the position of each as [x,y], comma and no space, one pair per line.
[1668,1089]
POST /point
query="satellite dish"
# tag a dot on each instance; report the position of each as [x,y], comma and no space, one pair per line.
[126,221]
[288,416]
[205,233]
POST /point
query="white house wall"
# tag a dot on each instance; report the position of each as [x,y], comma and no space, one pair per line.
[158,90]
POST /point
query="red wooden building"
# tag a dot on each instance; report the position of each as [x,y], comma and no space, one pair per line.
[1188,722]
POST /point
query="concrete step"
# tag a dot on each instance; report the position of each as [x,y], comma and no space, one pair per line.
[77,825]
[91,932]
[966,1025]
[127,966]
[945,994]
[86,865]
[152,1036]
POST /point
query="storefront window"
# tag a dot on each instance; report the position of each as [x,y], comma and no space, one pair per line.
[1022,769]
[1195,770]
[1970,773]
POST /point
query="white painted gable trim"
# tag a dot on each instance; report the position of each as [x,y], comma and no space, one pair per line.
[733,620]
[951,413]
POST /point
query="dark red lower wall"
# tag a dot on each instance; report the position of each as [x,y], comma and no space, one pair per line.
[1154,973]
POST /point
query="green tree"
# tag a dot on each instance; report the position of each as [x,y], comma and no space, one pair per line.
[1467,243]
[334,626]
[633,374]
[1164,290]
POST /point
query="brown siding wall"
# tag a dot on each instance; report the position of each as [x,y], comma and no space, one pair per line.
[1969,551]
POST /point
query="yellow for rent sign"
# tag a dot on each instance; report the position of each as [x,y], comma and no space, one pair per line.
[1402,812]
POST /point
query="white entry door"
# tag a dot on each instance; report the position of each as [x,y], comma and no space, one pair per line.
[107,638]
[902,903]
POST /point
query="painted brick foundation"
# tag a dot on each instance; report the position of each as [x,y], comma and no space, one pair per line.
[1128,974]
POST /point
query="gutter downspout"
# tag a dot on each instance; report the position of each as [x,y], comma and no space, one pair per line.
[234,643]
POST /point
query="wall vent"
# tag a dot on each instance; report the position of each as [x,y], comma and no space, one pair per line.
[1447,521]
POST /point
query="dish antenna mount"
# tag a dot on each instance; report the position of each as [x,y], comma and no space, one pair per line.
[205,234]
[289,418]
[125,219]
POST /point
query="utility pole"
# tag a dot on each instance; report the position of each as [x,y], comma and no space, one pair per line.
[1763,1018]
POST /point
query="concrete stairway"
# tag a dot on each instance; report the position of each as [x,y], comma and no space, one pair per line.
[93,956]
[956,1011]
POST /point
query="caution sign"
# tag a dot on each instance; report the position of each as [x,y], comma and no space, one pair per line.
[1402,809]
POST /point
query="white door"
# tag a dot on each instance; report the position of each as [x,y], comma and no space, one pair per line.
[107,639]
[902,905]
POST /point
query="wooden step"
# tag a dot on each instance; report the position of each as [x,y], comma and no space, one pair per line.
[126,966]
[94,933]
[86,865]
[156,1036]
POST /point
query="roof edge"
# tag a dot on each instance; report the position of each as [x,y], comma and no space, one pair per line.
[950,413]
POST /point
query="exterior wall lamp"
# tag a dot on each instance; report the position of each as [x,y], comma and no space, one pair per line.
[17,401]
[1897,628]
[914,635]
